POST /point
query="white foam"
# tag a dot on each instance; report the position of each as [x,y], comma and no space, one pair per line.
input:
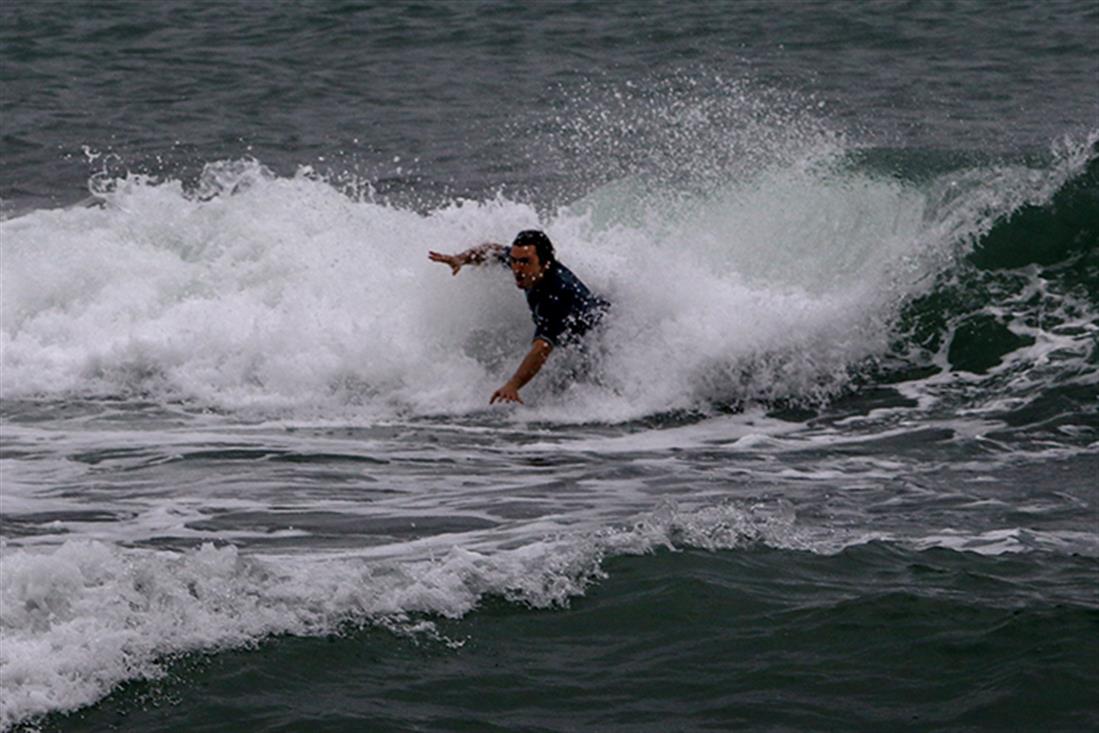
[286,295]
[282,295]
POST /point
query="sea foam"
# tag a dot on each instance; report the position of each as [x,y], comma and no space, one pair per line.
[287,295]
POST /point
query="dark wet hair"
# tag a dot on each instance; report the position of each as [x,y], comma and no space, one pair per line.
[542,244]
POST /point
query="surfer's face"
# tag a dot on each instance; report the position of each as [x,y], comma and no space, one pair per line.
[526,267]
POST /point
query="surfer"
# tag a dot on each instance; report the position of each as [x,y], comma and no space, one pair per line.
[562,307]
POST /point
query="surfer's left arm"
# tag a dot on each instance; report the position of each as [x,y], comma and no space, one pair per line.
[539,351]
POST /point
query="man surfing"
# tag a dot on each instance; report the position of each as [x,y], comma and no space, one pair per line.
[562,307]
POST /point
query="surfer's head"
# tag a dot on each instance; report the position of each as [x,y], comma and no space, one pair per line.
[531,255]
[537,239]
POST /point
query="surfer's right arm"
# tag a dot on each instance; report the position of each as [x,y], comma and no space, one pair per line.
[472,256]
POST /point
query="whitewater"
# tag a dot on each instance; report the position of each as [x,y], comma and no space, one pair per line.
[253,292]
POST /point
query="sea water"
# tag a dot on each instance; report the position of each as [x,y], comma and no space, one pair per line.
[833,466]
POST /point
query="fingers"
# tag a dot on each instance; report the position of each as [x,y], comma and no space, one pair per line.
[505,395]
[452,260]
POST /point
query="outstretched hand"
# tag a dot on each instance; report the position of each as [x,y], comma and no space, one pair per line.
[454,261]
[507,393]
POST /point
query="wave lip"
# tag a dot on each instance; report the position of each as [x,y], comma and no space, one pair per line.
[83,617]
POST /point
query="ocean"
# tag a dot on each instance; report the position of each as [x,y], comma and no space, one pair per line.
[829,464]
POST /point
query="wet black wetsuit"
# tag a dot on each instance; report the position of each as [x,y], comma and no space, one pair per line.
[562,307]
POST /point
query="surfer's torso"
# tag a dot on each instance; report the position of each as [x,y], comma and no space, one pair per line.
[562,307]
